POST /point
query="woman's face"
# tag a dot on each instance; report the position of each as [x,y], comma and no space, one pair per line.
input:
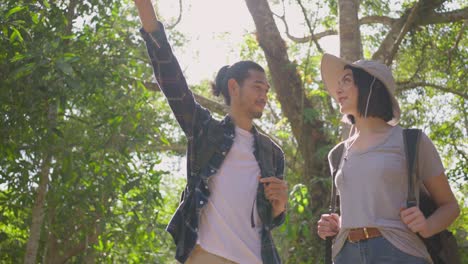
[347,93]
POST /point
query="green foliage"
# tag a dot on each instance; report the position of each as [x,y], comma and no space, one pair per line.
[71,89]
[296,225]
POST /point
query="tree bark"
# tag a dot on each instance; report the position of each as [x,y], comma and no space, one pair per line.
[32,245]
[289,88]
[350,34]
[350,38]
[37,214]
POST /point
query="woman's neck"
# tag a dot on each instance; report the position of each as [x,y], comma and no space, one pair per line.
[371,125]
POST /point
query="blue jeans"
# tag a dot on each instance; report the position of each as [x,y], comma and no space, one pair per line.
[375,251]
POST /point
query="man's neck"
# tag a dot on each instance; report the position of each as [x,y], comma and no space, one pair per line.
[241,121]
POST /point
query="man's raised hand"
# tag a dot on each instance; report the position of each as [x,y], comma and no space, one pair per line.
[147,15]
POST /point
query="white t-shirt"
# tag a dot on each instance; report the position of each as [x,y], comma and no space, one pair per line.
[225,225]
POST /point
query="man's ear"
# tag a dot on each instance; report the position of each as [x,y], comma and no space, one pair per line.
[233,87]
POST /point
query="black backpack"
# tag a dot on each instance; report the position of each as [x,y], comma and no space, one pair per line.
[443,246]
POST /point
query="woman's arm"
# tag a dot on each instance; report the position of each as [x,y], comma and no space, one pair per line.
[447,209]
[447,205]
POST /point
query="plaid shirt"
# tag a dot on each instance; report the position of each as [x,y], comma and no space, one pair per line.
[194,120]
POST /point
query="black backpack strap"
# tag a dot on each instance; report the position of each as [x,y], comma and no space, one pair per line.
[411,141]
[335,160]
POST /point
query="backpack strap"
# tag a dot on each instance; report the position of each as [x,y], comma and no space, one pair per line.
[335,158]
[411,141]
[335,162]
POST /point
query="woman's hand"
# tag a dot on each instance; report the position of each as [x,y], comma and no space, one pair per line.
[328,225]
[415,220]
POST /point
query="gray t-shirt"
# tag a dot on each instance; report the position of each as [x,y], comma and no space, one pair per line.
[373,187]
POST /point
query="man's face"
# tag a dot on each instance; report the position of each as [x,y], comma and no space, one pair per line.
[253,94]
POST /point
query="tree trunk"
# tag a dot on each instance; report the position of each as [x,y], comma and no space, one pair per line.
[289,89]
[38,213]
[350,34]
[350,38]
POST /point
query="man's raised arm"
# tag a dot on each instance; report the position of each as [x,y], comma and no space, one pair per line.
[147,15]
[189,114]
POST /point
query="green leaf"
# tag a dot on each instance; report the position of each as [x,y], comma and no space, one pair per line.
[35,18]
[15,35]
[74,84]
[18,57]
[164,140]
[14,10]
[310,114]
[57,132]
[65,67]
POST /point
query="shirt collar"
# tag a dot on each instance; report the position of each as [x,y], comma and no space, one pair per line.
[229,123]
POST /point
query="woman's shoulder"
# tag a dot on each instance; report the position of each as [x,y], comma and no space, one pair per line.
[336,151]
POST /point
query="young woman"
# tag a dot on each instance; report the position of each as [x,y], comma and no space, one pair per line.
[374,225]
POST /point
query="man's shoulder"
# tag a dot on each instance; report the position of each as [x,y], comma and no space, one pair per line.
[267,140]
[210,122]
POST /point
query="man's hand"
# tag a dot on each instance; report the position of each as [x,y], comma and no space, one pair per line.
[147,15]
[276,191]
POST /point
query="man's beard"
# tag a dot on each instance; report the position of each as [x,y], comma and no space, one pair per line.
[256,115]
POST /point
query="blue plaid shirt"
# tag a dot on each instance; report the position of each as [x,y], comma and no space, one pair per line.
[194,120]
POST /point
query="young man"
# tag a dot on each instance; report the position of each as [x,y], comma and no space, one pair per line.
[235,193]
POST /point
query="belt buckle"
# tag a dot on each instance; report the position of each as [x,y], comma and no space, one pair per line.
[366,235]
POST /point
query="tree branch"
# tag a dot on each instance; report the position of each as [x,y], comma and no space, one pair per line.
[91,239]
[178,19]
[309,25]
[307,39]
[457,41]
[363,21]
[208,103]
[446,17]
[421,14]
[177,148]
[406,85]
[317,36]
[388,21]
[408,23]
[387,44]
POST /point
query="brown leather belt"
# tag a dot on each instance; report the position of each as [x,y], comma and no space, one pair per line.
[358,234]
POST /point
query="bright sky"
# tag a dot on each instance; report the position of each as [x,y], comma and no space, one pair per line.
[215,29]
